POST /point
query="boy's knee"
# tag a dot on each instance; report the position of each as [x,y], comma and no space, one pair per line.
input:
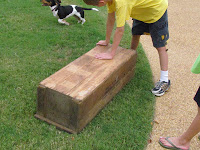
[136,36]
[162,49]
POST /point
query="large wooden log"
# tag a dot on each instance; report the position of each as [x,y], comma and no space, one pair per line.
[71,97]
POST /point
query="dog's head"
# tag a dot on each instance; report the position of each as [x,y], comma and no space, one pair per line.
[50,2]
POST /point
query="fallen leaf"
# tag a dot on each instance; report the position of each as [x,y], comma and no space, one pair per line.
[156,122]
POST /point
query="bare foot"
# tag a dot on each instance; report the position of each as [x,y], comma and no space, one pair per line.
[102,43]
[173,142]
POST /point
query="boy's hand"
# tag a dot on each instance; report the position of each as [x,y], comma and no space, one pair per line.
[102,43]
[104,56]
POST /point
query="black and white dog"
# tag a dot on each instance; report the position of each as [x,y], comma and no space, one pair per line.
[63,12]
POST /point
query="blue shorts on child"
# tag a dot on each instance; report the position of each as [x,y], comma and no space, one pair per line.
[197,97]
[158,30]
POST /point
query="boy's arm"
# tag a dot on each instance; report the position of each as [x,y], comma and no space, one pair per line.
[117,38]
[109,28]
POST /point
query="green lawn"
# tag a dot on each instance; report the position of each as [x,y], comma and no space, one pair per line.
[32,47]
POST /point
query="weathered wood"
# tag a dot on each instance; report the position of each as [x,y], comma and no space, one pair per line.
[71,97]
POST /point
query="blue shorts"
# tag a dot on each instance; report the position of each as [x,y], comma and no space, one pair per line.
[158,30]
[197,97]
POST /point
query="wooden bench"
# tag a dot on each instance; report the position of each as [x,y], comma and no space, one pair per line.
[71,97]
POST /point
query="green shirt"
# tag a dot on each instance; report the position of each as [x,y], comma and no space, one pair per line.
[196,66]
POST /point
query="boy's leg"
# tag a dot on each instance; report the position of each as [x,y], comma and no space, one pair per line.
[164,83]
[135,41]
[138,29]
[163,56]
[160,34]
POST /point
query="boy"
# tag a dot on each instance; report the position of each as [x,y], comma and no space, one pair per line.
[149,16]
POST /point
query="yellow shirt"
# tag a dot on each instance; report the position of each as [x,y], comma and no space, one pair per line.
[148,11]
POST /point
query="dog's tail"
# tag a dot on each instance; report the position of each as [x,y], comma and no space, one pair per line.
[90,9]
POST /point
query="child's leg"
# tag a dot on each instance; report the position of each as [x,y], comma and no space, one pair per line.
[164,83]
[183,141]
[135,41]
[163,56]
[138,29]
[193,130]
[160,34]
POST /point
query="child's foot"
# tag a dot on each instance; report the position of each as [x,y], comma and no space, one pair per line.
[160,88]
[173,143]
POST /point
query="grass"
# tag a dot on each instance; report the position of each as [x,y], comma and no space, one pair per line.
[33,46]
